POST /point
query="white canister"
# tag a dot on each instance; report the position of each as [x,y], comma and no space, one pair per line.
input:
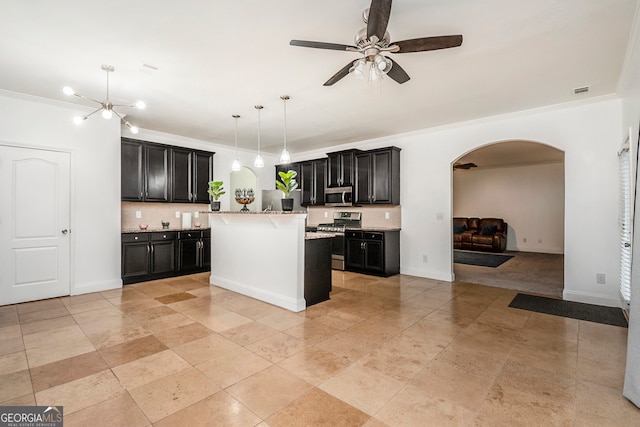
[186,219]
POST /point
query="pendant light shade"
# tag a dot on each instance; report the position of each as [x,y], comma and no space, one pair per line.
[285,158]
[235,166]
[258,162]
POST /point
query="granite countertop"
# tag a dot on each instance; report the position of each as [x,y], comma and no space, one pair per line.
[256,213]
[160,229]
[315,235]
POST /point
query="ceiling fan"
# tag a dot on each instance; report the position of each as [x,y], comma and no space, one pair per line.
[465,166]
[373,40]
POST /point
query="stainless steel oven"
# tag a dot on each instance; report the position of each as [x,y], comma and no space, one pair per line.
[341,222]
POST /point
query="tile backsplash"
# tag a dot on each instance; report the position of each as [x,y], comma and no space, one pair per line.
[385,216]
[154,213]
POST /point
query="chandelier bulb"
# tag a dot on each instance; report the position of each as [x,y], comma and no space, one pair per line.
[107,114]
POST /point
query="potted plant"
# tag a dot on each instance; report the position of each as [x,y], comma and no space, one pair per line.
[287,183]
[215,191]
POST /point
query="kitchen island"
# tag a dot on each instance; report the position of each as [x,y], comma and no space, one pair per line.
[270,257]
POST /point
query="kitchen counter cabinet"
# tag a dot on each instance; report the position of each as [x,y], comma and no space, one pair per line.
[373,252]
[194,248]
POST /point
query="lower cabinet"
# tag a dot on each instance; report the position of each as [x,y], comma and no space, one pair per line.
[157,254]
[373,252]
[194,251]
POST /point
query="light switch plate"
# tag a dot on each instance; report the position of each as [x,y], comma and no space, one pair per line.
[138,214]
[177,214]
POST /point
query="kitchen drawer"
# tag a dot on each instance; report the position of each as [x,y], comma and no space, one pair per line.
[372,236]
[192,234]
[163,235]
[135,237]
[350,234]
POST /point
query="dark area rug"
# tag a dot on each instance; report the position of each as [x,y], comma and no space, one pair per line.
[480,259]
[575,310]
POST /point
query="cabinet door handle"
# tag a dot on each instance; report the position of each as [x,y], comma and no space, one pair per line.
[148,249]
[152,249]
[141,195]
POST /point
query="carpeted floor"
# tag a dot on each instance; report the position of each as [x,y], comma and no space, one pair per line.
[529,272]
[481,259]
[575,310]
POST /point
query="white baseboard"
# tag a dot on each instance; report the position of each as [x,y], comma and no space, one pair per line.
[260,294]
[427,274]
[85,288]
[590,298]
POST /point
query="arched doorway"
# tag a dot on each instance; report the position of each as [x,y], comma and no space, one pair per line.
[521,182]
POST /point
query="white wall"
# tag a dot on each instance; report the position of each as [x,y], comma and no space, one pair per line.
[95,180]
[588,132]
[530,198]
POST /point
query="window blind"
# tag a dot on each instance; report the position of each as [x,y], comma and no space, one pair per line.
[624,221]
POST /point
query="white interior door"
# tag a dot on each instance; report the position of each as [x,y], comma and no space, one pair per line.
[34,224]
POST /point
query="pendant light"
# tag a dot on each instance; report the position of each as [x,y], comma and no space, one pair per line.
[284,156]
[235,166]
[258,162]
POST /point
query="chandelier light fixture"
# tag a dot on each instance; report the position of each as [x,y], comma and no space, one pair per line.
[235,166]
[106,106]
[258,162]
[285,158]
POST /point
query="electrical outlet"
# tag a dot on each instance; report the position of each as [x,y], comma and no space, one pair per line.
[601,278]
[326,214]
[196,214]
[138,214]
[177,214]
[386,215]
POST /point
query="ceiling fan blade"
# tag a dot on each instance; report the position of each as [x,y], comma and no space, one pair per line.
[320,45]
[339,75]
[428,43]
[378,19]
[397,73]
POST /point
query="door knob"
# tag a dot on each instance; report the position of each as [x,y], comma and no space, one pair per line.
[65,231]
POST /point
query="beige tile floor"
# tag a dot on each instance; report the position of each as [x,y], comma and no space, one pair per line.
[402,351]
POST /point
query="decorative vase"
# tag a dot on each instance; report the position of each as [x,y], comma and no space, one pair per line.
[287,205]
[215,205]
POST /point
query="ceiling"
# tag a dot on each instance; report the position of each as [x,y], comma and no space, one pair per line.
[217,58]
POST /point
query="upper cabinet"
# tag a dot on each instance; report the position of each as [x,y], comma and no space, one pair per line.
[377,178]
[191,171]
[340,168]
[313,181]
[153,172]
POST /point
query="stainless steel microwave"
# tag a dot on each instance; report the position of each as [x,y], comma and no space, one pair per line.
[338,196]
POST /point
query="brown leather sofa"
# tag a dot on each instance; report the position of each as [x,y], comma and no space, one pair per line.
[480,234]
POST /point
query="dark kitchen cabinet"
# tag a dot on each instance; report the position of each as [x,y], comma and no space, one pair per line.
[194,251]
[191,171]
[373,252]
[313,181]
[153,172]
[157,172]
[340,168]
[147,256]
[377,178]
[132,170]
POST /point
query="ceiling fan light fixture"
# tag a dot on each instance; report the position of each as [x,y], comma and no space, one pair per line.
[141,105]
[107,114]
[68,91]
[358,68]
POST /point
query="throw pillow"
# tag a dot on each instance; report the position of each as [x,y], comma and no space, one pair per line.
[459,228]
[489,230]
